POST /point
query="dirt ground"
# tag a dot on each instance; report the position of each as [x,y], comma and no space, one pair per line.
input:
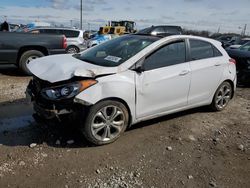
[195,148]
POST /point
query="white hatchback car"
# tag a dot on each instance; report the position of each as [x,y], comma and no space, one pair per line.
[131,79]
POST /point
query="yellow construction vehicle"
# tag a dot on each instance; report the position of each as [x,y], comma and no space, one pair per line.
[118,28]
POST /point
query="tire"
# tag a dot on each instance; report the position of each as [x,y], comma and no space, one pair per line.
[105,122]
[72,50]
[222,97]
[26,57]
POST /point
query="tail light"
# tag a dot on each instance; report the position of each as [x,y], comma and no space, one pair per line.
[232,61]
[64,42]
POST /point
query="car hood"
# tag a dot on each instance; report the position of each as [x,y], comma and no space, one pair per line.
[235,46]
[58,68]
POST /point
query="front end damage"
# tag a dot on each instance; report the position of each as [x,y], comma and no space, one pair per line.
[54,110]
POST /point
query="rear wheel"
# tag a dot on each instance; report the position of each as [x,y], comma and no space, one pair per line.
[27,57]
[105,122]
[72,50]
[222,96]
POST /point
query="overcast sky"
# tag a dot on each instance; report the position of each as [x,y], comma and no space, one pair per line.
[229,15]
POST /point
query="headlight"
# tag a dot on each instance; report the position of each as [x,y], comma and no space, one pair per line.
[68,90]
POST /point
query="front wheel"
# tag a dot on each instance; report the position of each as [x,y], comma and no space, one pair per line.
[105,122]
[222,96]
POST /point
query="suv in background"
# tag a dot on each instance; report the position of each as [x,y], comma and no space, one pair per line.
[74,37]
[161,30]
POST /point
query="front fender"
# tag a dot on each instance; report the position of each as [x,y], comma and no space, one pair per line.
[120,86]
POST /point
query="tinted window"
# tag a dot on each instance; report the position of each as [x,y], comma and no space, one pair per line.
[158,30]
[71,33]
[173,30]
[217,53]
[200,50]
[50,31]
[170,54]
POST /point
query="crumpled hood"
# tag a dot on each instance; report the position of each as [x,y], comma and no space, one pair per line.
[58,68]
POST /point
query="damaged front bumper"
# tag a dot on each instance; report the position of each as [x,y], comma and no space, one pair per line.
[49,110]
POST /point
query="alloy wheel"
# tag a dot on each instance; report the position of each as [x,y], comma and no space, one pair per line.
[108,123]
[223,96]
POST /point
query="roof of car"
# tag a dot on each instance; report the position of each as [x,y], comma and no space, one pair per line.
[57,28]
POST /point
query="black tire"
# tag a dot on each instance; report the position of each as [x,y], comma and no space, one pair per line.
[222,97]
[88,126]
[24,60]
[72,50]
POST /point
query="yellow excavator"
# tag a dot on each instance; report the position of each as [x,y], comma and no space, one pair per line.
[118,28]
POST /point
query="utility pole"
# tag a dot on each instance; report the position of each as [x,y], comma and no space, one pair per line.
[218,30]
[71,23]
[81,16]
[244,30]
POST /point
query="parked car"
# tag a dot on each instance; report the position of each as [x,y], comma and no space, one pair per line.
[163,30]
[98,39]
[130,79]
[242,57]
[20,49]
[228,40]
[240,43]
[74,37]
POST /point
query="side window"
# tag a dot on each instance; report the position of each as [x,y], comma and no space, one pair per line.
[217,53]
[70,33]
[171,54]
[50,31]
[35,31]
[200,50]
[157,31]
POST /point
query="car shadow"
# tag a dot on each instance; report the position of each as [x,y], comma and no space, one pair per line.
[64,134]
[12,71]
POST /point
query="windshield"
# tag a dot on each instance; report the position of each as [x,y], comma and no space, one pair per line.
[243,42]
[245,47]
[116,51]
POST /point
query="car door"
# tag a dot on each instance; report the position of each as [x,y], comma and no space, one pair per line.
[207,65]
[164,83]
[8,48]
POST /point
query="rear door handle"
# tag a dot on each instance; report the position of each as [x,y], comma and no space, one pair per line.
[183,73]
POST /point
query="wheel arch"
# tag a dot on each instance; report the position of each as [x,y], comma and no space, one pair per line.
[28,48]
[232,85]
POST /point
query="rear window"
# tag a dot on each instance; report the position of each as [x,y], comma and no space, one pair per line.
[200,50]
[70,33]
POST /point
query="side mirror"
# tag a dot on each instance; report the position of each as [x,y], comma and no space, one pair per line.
[139,69]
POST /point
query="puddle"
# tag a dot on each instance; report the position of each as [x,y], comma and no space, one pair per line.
[9,124]
[15,116]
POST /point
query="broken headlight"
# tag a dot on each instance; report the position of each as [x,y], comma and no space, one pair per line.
[68,90]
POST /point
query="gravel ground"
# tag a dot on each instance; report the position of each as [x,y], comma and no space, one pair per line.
[195,148]
[12,85]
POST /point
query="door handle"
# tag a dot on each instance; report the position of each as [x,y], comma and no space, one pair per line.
[183,73]
[217,64]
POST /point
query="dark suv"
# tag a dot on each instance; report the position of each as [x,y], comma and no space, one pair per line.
[161,30]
